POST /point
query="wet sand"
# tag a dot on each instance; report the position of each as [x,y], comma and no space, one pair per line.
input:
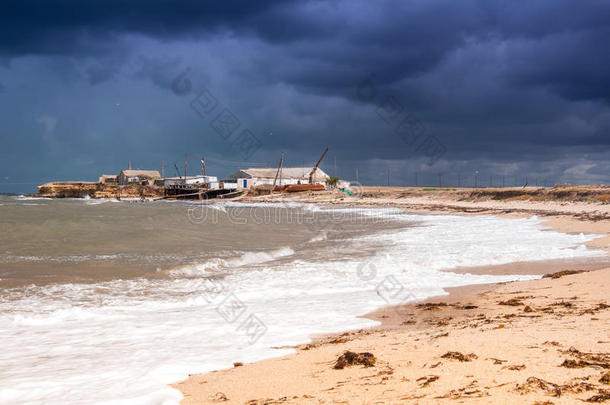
[545,341]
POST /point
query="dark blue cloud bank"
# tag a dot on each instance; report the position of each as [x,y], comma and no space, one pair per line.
[505,89]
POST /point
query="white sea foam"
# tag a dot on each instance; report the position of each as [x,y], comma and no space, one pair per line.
[218,207]
[98,201]
[86,199]
[123,257]
[22,197]
[245,204]
[323,235]
[230,263]
[123,341]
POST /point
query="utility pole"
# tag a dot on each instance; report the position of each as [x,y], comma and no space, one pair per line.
[279,172]
[163,169]
[129,165]
[356,175]
[185,163]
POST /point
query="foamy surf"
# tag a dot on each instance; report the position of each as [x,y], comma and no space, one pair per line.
[218,264]
[22,197]
[123,341]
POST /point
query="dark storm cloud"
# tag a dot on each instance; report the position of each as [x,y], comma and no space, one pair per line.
[34,26]
[395,39]
[508,87]
[575,65]
[161,71]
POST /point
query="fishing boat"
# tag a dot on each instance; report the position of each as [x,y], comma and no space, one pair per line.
[303,187]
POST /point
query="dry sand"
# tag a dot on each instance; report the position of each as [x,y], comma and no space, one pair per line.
[545,341]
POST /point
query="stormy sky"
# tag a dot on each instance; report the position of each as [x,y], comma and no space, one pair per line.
[445,89]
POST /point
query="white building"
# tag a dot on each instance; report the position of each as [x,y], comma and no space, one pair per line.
[211,181]
[289,175]
[228,185]
[137,176]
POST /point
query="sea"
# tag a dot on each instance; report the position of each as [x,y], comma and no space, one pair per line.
[109,302]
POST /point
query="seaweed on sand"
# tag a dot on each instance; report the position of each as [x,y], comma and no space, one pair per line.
[351,359]
[459,356]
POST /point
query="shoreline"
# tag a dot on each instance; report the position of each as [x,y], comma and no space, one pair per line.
[570,217]
[411,318]
[463,346]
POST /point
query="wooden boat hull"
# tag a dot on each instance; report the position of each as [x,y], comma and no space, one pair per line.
[303,187]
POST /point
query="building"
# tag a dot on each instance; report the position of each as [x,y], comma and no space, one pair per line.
[211,181]
[137,176]
[228,184]
[289,175]
[107,179]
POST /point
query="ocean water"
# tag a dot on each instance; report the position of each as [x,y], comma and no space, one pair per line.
[109,302]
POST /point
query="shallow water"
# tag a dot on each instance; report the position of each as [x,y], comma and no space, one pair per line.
[107,302]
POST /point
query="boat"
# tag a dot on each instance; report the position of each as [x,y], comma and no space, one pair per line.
[303,187]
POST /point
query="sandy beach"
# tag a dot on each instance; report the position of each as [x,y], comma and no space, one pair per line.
[544,341]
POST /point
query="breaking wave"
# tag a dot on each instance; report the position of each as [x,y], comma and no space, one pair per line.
[218,264]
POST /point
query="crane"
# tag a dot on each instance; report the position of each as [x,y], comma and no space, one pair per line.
[313,171]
